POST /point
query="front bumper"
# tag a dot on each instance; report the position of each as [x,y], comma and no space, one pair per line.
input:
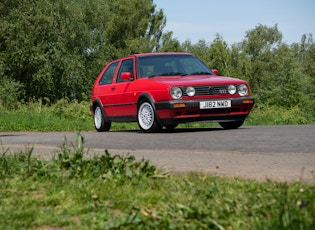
[182,111]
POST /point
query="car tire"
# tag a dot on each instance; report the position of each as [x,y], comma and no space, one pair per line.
[147,118]
[99,120]
[231,124]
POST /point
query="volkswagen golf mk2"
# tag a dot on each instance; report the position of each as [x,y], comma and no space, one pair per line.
[166,89]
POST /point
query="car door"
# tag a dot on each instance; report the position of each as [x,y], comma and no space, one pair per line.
[125,102]
[105,88]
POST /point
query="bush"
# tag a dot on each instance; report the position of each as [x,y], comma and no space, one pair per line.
[73,162]
[277,115]
[10,93]
[72,109]
[38,115]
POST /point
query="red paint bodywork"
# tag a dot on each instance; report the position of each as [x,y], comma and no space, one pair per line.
[120,99]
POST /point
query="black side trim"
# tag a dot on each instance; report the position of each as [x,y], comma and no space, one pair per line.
[118,105]
[123,118]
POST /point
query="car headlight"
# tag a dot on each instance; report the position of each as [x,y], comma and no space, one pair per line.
[242,90]
[176,93]
[232,89]
[190,91]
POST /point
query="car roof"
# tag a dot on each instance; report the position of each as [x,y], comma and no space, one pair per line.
[159,54]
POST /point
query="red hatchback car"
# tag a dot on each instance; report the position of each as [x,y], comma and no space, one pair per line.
[165,89]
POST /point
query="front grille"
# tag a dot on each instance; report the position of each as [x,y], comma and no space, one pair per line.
[208,90]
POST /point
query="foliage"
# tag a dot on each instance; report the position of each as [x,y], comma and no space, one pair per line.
[10,93]
[55,49]
[75,190]
[169,44]
[73,164]
[65,115]
[273,115]
[133,26]
[73,161]
[281,76]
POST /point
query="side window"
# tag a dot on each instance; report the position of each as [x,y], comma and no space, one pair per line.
[126,66]
[108,75]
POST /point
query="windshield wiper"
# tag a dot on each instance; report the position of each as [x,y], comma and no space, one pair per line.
[166,74]
[201,73]
[153,75]
[173,74]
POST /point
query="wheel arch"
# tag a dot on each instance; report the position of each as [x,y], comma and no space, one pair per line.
[146,96]
[96,102]
[149,98]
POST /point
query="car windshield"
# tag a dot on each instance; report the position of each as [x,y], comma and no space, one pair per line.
[171,65]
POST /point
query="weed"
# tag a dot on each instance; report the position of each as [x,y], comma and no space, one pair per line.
[73,161]
[75,190]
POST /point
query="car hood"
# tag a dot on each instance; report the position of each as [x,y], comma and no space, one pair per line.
[196,80]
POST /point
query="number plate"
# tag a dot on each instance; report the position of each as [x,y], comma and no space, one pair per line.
[215,104]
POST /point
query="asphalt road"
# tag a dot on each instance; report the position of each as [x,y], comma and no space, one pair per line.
[281,153]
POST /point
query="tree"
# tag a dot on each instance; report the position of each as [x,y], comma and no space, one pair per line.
[133,26]
[44,44]
[169,44]
[220,56]
[200,49]
[56,48]
[259,46]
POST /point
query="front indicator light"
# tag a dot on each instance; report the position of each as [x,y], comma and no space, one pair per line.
[179,105]
[248,101]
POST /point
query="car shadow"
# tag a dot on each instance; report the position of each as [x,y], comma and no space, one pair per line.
[176,130]
[180,130]
[190,130]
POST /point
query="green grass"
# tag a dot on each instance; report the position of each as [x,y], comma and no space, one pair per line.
[75,190]
[68,115]
[62,116]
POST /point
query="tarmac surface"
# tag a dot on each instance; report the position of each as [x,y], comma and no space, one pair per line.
[277,153]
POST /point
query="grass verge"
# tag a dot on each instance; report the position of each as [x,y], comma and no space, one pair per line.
[75,190]
[68,115]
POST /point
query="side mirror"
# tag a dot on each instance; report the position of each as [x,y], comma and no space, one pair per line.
[126,76]
[215,71]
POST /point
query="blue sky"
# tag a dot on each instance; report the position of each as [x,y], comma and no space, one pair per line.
[203,19]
